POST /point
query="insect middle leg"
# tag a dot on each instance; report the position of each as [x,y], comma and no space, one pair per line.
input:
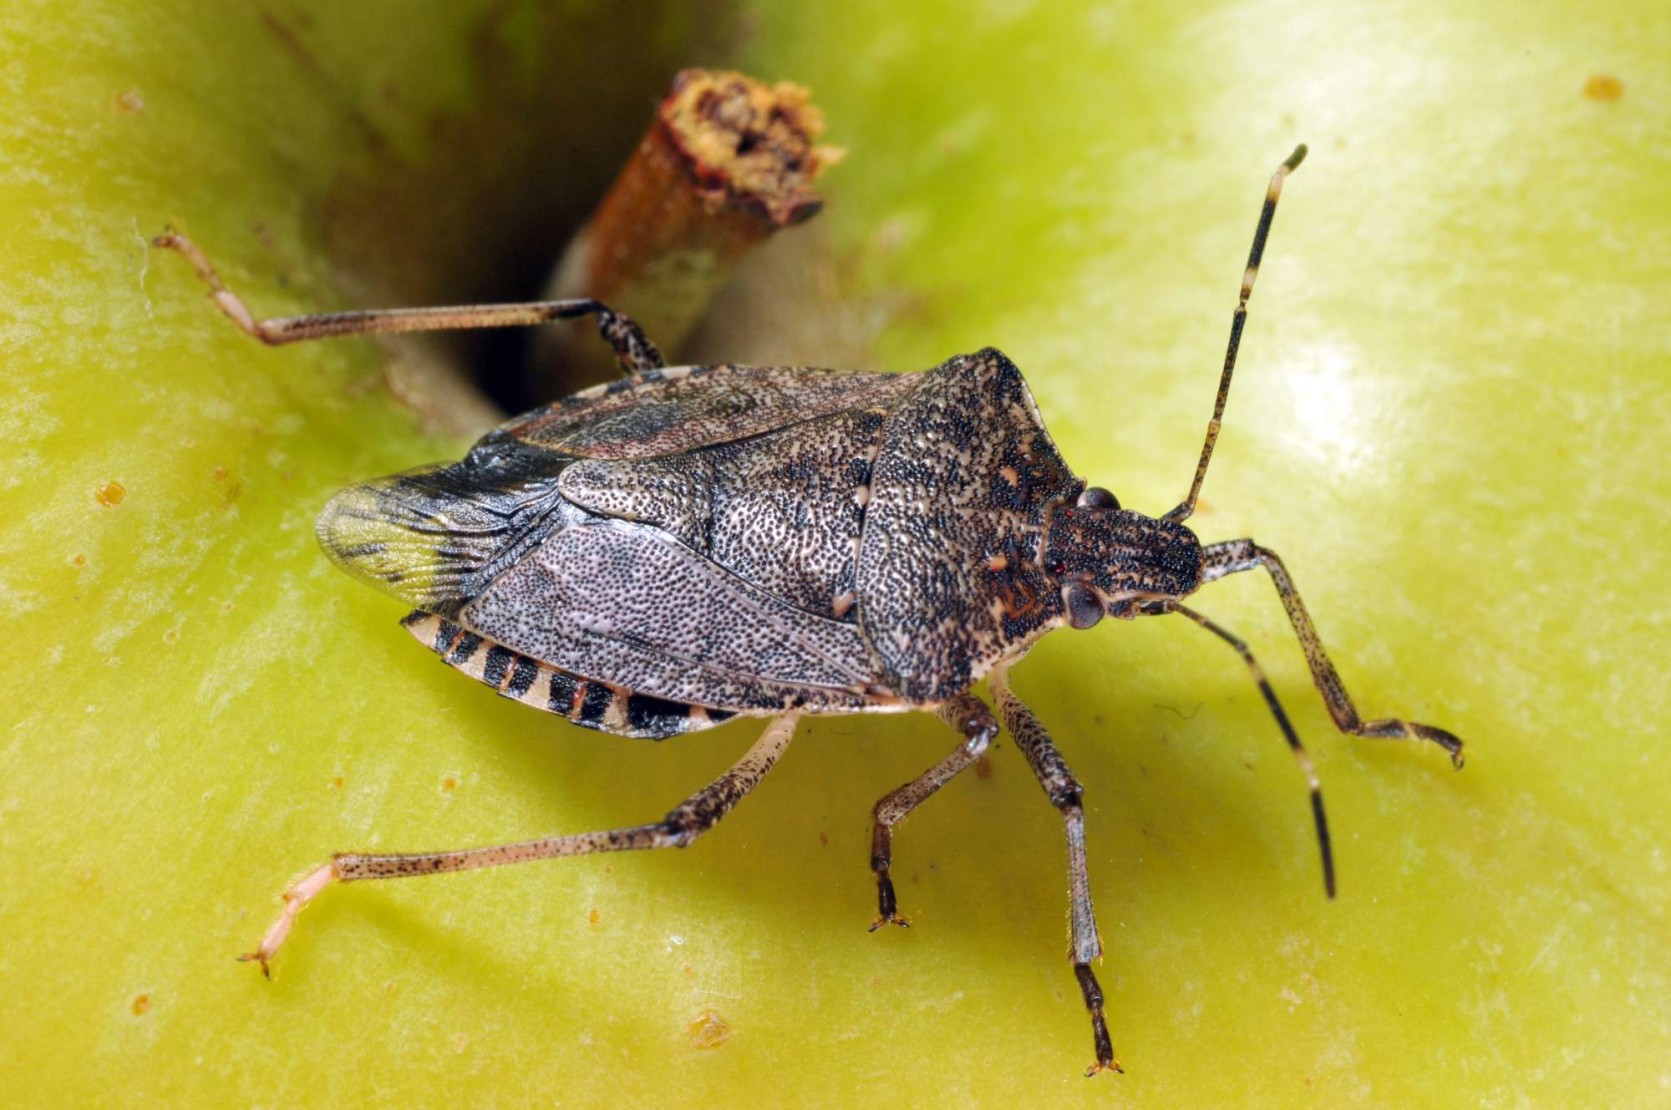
[1065,793]
[633,348]
[970,716]
[1235,556]
[683,824]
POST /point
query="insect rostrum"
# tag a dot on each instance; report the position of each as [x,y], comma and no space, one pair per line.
[689,544]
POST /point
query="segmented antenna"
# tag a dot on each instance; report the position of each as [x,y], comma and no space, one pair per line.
[1272,192]
[1320,819]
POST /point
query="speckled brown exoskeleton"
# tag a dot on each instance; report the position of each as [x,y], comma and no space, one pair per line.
[691,544]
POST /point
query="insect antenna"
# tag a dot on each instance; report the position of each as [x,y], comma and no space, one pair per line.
[1266,214]
[1301,756]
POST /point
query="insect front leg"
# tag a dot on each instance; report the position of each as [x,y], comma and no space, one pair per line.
[1065,793]
[970,716]
[683,824]
[633,348]
[1235,556]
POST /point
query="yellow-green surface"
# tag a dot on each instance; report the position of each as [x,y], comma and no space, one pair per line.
[1450,419]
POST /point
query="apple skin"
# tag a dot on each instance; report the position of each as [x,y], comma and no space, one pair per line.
[1449,418]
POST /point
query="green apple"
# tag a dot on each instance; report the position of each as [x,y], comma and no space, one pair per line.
[1449,418]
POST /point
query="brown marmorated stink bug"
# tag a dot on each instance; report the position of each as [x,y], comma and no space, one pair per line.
[690,544]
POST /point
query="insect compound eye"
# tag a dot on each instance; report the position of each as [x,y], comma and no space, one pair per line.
[1095,497]
[1084,607]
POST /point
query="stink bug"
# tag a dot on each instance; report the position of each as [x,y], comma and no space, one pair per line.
[689,544]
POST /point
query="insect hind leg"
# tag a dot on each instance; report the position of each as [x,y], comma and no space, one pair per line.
[682,824]
[633,349]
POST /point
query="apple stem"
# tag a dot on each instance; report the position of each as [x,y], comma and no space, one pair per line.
[727,162]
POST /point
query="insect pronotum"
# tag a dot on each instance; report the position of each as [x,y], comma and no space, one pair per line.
[687,544]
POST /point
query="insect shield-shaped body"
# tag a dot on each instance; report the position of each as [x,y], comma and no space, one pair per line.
[690,544]
[705,541]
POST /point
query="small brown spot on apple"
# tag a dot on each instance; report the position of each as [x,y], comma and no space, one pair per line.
[1604,87]
[709,1030]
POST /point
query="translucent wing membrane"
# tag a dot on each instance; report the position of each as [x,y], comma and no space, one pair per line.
[435,537]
